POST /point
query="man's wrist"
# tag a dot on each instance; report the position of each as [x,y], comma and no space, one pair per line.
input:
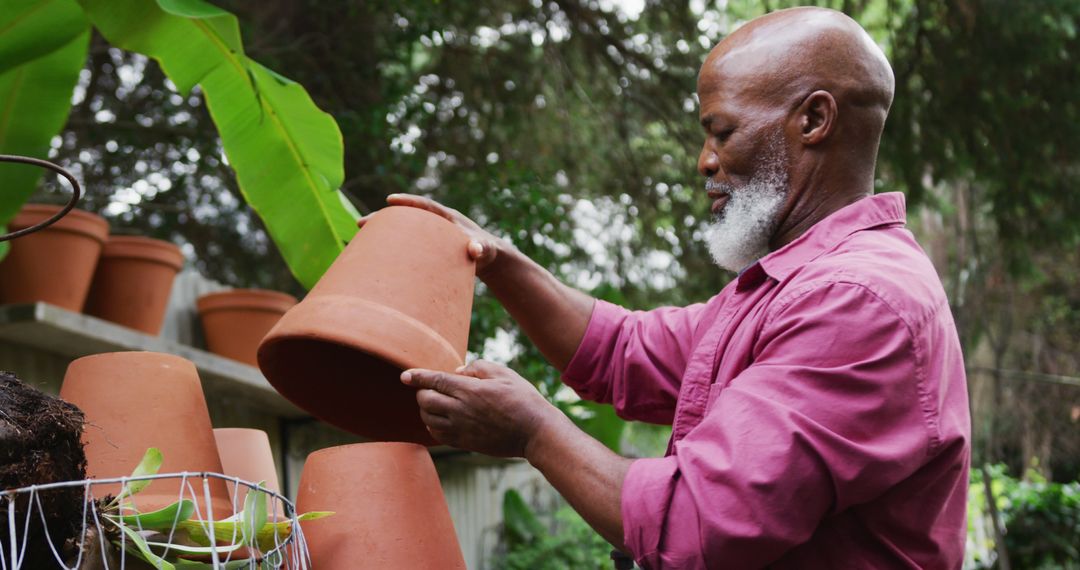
[549,430]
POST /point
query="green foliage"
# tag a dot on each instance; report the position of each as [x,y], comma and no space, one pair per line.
[35,99]
[158,537]
[987,98]
[148,465]
[30,29]
[597,420]
[1041,519]
[286,152]
[161,519]
[529,545]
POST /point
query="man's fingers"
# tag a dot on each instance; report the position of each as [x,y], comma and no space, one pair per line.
[445,383]
[481,252]
[481,369]
[420,202]
[435,402]
[435,421]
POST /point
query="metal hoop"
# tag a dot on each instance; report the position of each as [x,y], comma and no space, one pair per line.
[76,193]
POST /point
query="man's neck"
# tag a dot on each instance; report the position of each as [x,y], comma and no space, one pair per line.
[815,200]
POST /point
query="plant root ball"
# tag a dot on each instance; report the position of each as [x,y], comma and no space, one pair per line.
[40,443]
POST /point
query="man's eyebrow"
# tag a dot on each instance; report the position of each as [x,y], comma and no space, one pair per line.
[707,121]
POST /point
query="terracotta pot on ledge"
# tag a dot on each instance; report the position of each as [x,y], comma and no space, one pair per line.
[235,321]
[137,400]
[54,265]
[399,296]
[133,280]
[389,508]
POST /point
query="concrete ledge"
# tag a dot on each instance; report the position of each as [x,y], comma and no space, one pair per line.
[59,331]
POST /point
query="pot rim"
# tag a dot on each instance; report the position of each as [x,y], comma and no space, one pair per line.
[129,353]
[245,299]
[324,320]
[144,248]
[76,221]
[367,446]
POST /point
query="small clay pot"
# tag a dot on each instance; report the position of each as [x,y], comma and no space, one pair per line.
[246,453]
[235,321]
[399,296]
[137,400]
[389,508]
[54,265]
[133,280]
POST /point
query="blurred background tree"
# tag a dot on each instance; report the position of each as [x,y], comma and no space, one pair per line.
[570,128]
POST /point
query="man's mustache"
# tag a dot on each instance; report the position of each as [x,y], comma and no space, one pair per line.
[722,187]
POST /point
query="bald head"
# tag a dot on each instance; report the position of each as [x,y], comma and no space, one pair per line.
[785,55]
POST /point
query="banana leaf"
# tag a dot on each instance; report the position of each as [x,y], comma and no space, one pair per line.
[30,29]
[288,154]
[35,100]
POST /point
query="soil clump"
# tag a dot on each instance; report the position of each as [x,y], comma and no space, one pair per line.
[40,443]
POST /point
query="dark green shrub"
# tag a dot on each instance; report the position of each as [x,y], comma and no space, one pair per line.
[1041,521]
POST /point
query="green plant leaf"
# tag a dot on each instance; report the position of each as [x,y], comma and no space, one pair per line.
[142,550]
[162,519]
[30,29]
[288,157]
[269,536]
[184,549]
[288,154]
[182,564]
[187,50]
[35,100]
[522,526]
[253,517]
[149,465]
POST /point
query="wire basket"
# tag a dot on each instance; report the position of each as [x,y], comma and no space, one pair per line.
[103,545]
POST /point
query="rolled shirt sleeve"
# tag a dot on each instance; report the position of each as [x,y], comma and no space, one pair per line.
[634,360]
[831,413]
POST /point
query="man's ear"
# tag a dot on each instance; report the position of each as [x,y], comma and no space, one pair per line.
[816,117]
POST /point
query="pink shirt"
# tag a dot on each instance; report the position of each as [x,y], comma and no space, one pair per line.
[819,408]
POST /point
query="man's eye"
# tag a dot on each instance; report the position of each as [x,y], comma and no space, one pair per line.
[724,134]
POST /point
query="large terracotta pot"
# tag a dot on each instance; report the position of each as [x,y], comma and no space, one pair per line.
[54,265]
[389,508]
[235,321]
[399,296]
[137,400]
[245,453]
[133,280]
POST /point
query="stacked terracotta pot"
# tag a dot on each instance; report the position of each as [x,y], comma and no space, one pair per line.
[137,400]
[53,265]
[246,454]
[389,508]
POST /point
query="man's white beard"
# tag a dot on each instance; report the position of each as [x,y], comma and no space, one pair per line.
[739,234]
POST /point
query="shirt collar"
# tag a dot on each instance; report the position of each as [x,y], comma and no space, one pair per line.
[864,214]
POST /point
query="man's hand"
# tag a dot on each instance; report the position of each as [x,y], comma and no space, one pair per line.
[485,407]
[488,408]
[483,247]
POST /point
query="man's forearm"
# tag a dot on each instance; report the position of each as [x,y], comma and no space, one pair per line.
[553,315]
[585,472]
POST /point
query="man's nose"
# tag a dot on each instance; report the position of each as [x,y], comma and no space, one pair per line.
[708,163]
